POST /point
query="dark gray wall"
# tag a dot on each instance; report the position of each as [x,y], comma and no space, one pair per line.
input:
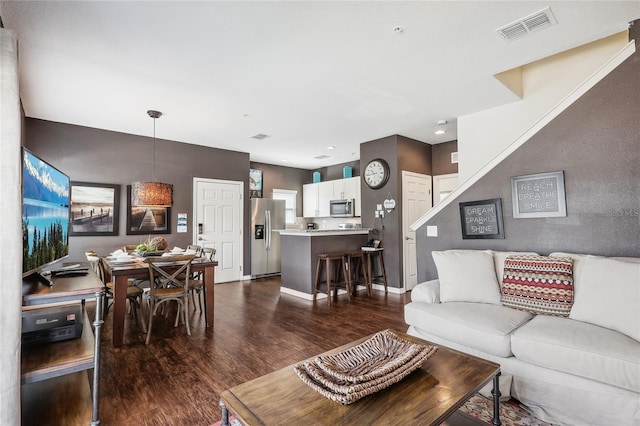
[441,153]
[101,156]
[596,141]
[280,177]
[401,153]
[336,171]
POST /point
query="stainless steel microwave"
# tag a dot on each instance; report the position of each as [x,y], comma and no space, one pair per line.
[342,208]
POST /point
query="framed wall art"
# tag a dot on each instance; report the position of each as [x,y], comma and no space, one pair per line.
[95,208]
[482,219]
[147,220]
[539,195]
[255,183]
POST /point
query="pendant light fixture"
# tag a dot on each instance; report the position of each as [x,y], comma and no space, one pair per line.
[152,194]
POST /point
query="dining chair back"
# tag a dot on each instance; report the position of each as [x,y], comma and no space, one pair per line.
[193,248]
[196,282]
[134,294]
[168,276]
[208,253]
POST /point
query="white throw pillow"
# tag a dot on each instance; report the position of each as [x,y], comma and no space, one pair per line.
[467,276]
[609,295]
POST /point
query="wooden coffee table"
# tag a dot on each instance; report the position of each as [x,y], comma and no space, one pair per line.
[428,396]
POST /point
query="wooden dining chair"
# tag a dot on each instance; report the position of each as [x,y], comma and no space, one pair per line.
[196,282]
[134,295]
[169,286]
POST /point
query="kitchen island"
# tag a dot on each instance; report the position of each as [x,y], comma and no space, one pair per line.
[300,249]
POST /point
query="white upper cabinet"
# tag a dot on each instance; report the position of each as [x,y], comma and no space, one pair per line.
[316,196]
[310,200]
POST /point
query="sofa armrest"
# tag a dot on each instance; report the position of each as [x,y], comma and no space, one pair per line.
[428,292]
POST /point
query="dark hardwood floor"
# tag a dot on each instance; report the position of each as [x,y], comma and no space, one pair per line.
[177,379]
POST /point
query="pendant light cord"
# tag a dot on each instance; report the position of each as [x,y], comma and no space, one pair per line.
[153,155]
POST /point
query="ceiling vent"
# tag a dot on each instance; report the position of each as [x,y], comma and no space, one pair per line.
[260,136]
[524,26]
[322,157]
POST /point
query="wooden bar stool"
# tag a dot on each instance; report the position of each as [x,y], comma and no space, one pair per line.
[339,261]
[358,271]
[371,256]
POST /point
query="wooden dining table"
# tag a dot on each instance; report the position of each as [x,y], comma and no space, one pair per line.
[138,269]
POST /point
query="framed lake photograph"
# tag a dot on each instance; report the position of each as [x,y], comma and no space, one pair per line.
[482,219]
[147,220]
[539,195]
[255,183]
[94,209]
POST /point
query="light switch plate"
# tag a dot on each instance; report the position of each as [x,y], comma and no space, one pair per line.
[378,207]
[432,231]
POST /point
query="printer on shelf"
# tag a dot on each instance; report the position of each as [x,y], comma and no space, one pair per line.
[46,325]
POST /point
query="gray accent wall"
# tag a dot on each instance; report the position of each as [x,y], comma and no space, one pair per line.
[93,155]
[401,153]
[596,142]
[441,153]
[279,177]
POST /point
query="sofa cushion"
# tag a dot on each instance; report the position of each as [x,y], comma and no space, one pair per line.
[579,262]
[609,295]
[581,349]
[538,284]
[467,276]
[481,326]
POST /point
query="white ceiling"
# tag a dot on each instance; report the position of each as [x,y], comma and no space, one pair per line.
[309,74]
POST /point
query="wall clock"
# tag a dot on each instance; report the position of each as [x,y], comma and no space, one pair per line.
[376,174]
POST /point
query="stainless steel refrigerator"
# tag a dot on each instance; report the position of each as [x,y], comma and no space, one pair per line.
[267,216]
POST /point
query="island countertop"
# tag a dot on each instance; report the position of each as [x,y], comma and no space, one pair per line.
[323,232]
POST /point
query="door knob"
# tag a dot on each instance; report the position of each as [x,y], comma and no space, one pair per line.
[408,238]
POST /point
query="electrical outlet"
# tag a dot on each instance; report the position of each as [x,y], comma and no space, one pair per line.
[377,214]
[432,231]
[381,213]
[379,207]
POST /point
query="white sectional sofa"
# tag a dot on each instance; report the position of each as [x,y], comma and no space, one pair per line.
[580,369]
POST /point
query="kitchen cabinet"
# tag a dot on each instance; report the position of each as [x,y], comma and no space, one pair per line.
[310,200]
[316,196]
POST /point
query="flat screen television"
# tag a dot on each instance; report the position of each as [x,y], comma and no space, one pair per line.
[45,216]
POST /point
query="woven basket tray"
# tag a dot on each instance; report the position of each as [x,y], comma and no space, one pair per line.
[375,364]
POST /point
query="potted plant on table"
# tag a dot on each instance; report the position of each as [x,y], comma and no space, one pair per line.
[153,246]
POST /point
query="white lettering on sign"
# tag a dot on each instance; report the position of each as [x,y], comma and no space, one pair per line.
[538,195]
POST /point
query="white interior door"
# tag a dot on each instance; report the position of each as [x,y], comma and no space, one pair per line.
[416,201]
[218,224]
[444,185]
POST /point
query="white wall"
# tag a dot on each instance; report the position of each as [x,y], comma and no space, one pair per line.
[10,230]
[483,135]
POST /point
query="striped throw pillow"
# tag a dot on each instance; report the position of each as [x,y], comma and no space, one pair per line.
[538,284]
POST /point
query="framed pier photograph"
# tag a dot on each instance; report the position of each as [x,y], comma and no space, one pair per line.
[94,209]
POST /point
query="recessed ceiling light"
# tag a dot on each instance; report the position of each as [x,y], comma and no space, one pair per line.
[439,132]
[285,160]
[331,147]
